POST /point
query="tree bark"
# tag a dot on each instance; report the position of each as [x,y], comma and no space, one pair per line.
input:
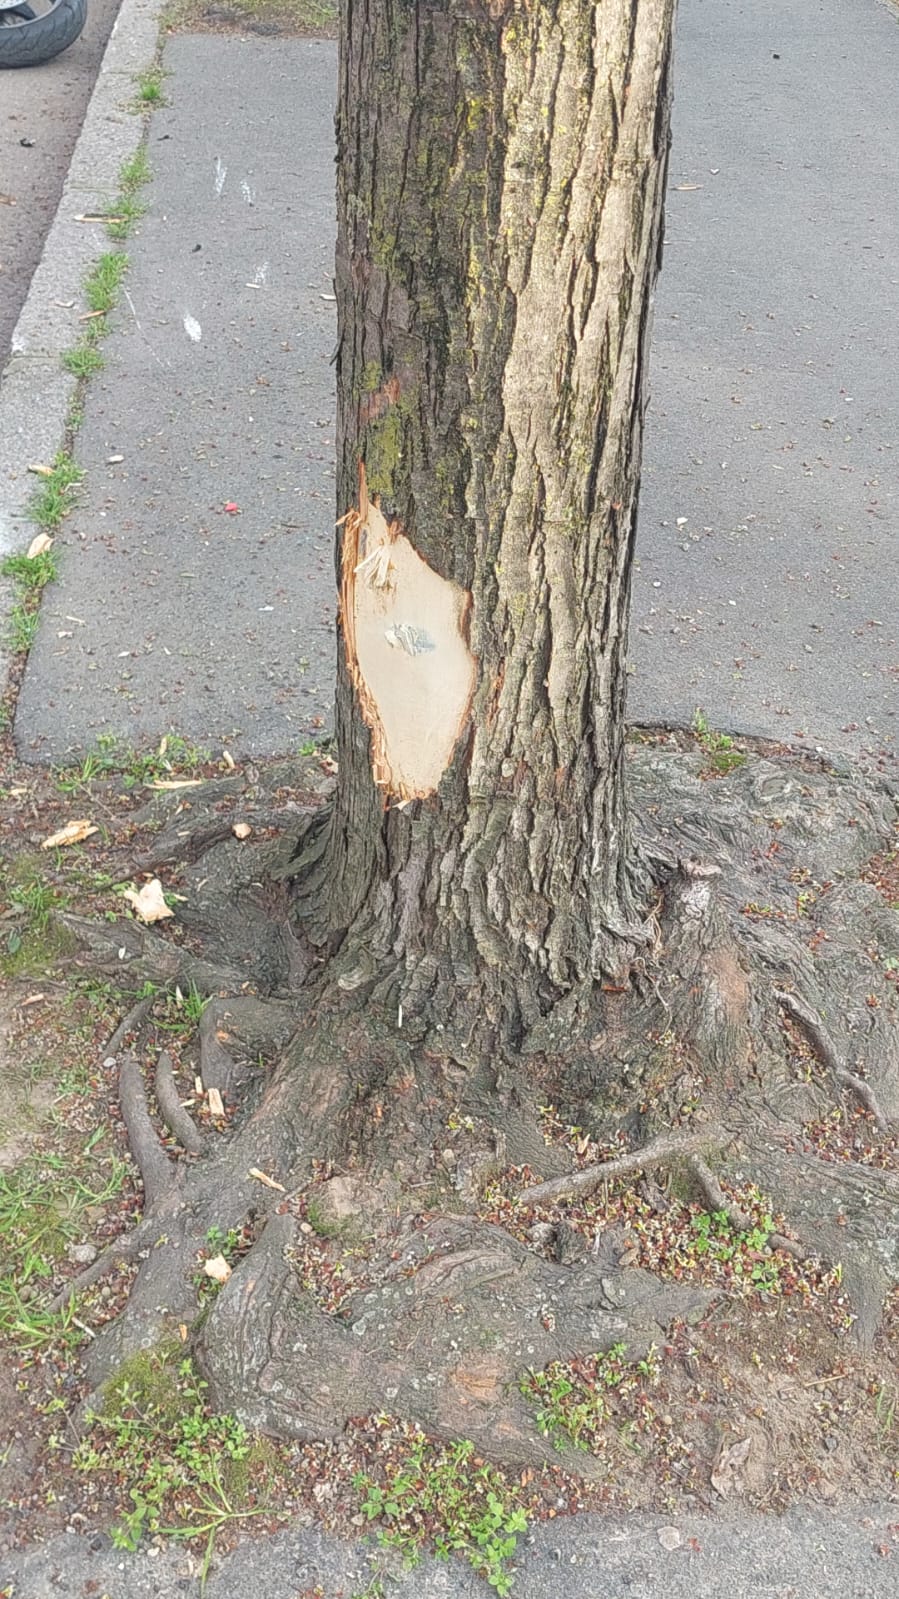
[501,175]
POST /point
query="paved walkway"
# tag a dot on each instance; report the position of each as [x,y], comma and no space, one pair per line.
[767,587]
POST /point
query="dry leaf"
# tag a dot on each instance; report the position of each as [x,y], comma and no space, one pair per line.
[177,782]
[217,1268]
[241,829]
[214,1101]
[72,833]
[39,546]
[268,1181]
[149,904]
[670,1538]
[727,1467]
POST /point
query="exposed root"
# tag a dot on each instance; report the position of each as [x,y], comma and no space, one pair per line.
[178,1120]
[129,1024]
[153,1163]
[740,1220]
[824,1048]
[123,1250]
[663,1151]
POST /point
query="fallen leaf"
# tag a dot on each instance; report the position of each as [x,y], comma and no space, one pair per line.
[670,1538]
[727,1466]
[149,903]
[241,829]
[72,833]
[214,1101]
[39,546]
[217,1268]
[269,1182]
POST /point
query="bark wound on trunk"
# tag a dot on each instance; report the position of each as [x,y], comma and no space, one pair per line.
[501,174]
[404,632]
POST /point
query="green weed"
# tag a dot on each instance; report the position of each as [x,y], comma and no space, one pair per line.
[183,1468]
[573,1396]
[442,1497]
[52,502]
[149,88]
[44,1205]
[84,359]
[719,747]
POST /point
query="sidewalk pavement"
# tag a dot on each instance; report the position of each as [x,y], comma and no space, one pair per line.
[197,591]
[767,585]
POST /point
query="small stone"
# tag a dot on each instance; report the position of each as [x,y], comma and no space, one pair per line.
[81,1254]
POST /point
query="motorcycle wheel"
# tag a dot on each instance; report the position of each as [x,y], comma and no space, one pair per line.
[31,34]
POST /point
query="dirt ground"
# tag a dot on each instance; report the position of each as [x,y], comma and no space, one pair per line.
[763,1395]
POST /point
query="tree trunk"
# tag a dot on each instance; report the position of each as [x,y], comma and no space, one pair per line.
[501,175]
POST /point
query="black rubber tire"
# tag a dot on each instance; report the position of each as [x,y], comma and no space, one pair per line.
[28,43]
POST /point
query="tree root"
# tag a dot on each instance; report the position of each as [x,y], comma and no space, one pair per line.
[178,1120]
[663,1151]
[740,1220]
[153,1163]
[129,1024]
[122,1251]
[824,1048]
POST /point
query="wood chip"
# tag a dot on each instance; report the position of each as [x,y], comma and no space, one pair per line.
[269,1182]
[39,546]
[214,1101]
[149,903]
[241,829]
[178,782]
[72,833]
[217,1268]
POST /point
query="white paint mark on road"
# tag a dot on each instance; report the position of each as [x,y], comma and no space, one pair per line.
[192,328]
[248,193]
[259,281]
[221,172]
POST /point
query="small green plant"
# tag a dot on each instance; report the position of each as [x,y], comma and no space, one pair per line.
[53,500]
[719,747]
[176,1459]
[84,359]
[101,287]
[573,1396]
[149,88]
[45,1205]
[443,1497]
[128,207]
[716,1239]
[173,756]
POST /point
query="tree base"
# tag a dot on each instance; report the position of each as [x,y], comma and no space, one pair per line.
[401,1254]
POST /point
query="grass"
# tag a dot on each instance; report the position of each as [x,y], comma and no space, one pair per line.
[179,1468]
[445,1498]
[30,574]
[149,88]
[101,291]
[52,502]
[45,1205]
[172,757]
[134,174]
[719,747]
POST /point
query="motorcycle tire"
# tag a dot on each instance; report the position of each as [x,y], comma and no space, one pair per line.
[28,38]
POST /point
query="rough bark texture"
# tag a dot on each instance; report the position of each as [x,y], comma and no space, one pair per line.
[501,178]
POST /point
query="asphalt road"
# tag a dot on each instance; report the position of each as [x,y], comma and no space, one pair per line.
[41,112]
[766,587]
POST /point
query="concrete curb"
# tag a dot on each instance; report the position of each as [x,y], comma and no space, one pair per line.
[36,392]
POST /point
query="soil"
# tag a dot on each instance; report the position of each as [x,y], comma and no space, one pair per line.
[770,1373]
